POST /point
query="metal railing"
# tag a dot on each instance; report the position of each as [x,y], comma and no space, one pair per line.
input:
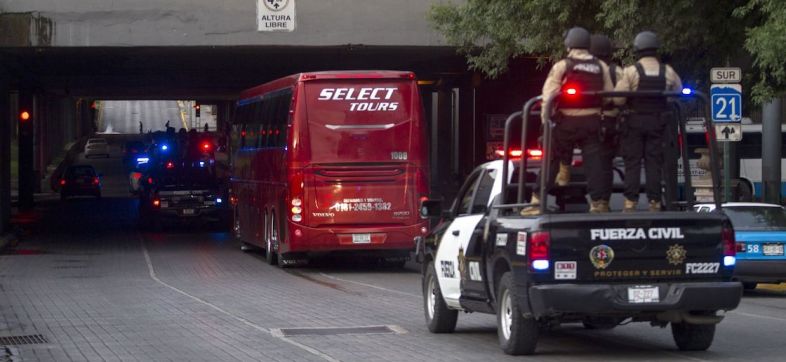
[544,174]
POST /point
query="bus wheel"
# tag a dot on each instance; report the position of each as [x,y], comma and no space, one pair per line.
[517,334]
[271,255]
[744,192]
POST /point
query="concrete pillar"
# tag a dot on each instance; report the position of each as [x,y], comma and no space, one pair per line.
[5,156]
[771,151]
[26,159]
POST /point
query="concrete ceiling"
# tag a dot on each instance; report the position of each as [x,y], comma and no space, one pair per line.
[202,72]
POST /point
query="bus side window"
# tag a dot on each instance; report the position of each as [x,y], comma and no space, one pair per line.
[267,104]
[282,115]
[256,121]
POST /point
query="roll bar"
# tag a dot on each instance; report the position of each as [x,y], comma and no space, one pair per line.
[547,142]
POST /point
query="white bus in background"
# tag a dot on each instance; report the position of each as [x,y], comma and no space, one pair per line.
[749,152]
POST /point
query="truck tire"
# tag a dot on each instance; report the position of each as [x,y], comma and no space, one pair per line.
[693,337]
[439,318]
[518,335]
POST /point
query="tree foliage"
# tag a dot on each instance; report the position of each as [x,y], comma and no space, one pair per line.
[695,35]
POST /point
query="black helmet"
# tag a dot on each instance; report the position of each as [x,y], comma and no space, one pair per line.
[646,40]
[577,38]
[600,46]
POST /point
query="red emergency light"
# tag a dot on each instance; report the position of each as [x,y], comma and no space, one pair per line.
[170,165]
[532,153]
[206,146]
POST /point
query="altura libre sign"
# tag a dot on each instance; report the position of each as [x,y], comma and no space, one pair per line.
[275,15]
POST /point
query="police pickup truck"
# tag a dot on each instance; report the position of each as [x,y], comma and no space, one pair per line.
[177,187]
[600,269]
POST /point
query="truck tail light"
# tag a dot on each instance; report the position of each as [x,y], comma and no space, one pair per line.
[96,181]
[729,246]
[538,250]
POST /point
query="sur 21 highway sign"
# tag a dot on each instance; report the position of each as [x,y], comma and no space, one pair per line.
[726,103]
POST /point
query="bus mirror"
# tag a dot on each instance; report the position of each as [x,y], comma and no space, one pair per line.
[431,209]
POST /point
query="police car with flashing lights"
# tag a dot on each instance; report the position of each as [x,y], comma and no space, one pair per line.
[601,270]
[180,183]
[760,233]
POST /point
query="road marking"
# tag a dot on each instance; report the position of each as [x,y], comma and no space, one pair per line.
[369,285]
[153,276]
[758,316]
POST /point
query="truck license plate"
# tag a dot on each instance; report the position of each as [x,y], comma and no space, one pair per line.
[188,211]
[643,294]
[773,249]
[361,238]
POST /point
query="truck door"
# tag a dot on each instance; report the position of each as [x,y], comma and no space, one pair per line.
[469,209]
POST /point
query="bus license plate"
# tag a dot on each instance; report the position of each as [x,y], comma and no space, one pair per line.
[361,238]
[188,211]
[773,249]
[643,294]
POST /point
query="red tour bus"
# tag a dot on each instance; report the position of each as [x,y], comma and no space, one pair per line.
[330,162]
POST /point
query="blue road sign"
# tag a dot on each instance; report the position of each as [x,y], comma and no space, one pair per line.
[726,102]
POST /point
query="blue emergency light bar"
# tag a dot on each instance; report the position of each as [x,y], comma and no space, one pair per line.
[142,160]
[687,91]
[164,147]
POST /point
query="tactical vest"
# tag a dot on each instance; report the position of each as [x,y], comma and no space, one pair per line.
[658,83]
[586,75]
[613,74]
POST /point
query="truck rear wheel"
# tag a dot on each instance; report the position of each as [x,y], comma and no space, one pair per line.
[693,337]
[517,334]
[439,318]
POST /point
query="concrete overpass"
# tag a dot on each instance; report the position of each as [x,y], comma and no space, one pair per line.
[56,56]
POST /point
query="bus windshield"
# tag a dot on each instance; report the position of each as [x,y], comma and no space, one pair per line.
[368,121]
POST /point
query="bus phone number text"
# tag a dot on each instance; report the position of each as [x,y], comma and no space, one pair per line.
[362,205]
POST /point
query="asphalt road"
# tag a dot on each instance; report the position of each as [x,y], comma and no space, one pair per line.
[94,287]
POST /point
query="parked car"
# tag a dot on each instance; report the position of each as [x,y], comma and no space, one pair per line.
[760,231]
[80,180]
[96,147]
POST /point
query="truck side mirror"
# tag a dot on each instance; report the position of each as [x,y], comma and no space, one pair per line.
[431,209]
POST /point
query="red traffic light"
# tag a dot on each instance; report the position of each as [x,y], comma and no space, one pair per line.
[24,116]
